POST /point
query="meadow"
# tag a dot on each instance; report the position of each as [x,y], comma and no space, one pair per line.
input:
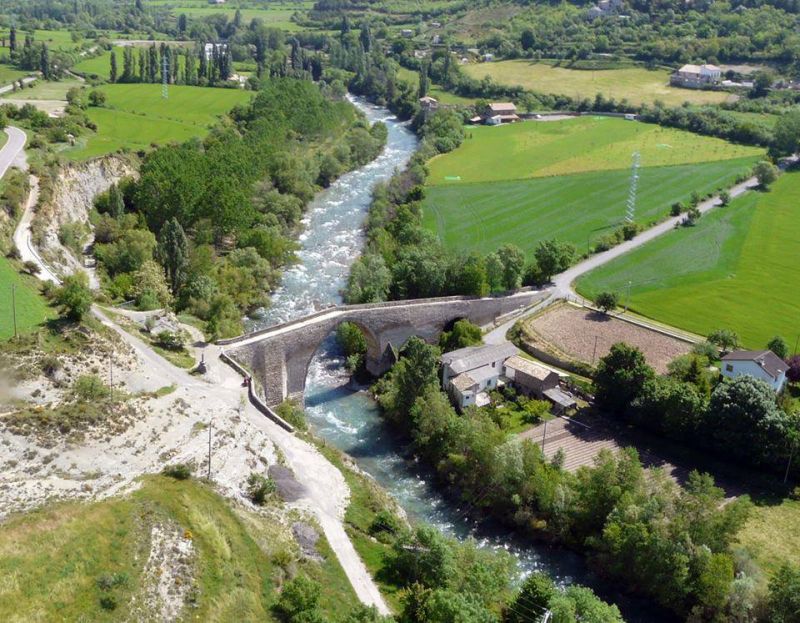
[9,74]
[444,97]
[579,208]
[136,116]
[590,143]
[636,84]
[32,310]
[735,269]
[276,14]
[52,560]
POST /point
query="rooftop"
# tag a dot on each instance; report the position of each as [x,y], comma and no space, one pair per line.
[531,368]
[464,382]
[503,107]
[471,357]
[766,359]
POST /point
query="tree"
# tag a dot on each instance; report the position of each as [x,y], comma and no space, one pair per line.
[726,339]
[527,39]
[513,260]
[766,173]
[553,257]
[621,376]
[369,280]
[44,62]
[786,140]
[183,21]
[112,77]
[150,287]
[724,198]
[116,202]
[784,595]
[535,593]
[97,98]
[424,81]
[173,253]
[299,598]
[494,272]
[606,301]
[762,83]
[463,334]
[31,267]
[779,346]
[74,296]
[793,374]
[12,40]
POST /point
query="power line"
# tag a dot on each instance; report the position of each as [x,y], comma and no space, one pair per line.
[630,212]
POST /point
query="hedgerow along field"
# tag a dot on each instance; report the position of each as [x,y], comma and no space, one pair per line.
[636,84]
[735,269]
[568,179]
[135,116]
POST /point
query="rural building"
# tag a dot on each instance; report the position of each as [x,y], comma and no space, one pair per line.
[407,33]
[696,76]
[497,113]
[761,364]
[209,49]
[467,372]
[428,103]
[216,1]
[529,377]
[488,57]
[603,9]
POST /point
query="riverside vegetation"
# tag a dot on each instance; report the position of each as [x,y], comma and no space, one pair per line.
[208,225]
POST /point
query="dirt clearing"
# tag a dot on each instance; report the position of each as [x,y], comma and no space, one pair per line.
[585,335]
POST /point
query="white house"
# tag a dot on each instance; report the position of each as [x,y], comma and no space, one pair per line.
[696,76]
[468,372]
[761,364]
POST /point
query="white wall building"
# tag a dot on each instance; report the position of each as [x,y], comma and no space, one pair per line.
[761,364]
[468,372]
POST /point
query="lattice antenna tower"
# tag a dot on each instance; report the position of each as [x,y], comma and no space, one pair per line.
[630,211]
[164,78]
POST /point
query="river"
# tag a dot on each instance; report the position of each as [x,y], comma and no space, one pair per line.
[347,417]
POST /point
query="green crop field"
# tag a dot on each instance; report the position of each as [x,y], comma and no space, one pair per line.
[734,269]
[636,84]
[32,310]
[578,208]
[538,149]
[136,116]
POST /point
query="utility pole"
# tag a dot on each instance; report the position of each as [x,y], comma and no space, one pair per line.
[594,350]
[164,78]
[111,369]
[630,212]
[209,451]
[789,464]
[544,435]
[628,299]
[14,306]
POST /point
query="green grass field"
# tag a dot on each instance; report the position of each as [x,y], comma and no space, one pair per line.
[770,535]
[136,116]
[32,310]
[50,560]
[9,74]
[578,208]
[637,84]
[735,269]
[275,14]
[99,66]
[538,149]
[444,97]
[44,90]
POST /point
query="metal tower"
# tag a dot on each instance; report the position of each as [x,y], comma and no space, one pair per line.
[630,211]
[165,78]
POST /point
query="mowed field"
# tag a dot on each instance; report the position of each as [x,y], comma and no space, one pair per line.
[274,13]
[544,148]
[136,116]
[735,269]
[568,179]
[636,84]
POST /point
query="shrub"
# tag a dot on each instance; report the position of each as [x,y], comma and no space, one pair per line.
[74,297]
[724,198]
[384,523]
[31,267]
[97,98]
[90,388]
[259,488]
[607,301]
[293,413]
[676,208]
[171,340]
[178,471]
[692,216]
[108,602]
[766,173]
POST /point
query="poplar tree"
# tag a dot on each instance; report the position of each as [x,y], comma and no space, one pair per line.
[113,73]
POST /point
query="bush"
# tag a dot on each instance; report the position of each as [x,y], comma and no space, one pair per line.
[607,301]
[766,173]
[31,267]
[90,388]
[97,98]
[384,524]
[74,297]
[170,340]
[259,488]
[108,602]
[293,413]
[178,471]
[724,198]
[676,209]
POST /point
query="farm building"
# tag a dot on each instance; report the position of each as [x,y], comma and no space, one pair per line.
[761,364]
[467,372]
[407,33]
[498,113]
[696,76]
[428,103]
[530,378]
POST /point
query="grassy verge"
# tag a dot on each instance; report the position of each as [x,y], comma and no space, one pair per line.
[31,308]
[367,499]
[771,534]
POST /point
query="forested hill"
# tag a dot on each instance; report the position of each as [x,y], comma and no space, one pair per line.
[220,216]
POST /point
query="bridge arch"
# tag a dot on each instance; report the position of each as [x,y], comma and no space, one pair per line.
[279,357]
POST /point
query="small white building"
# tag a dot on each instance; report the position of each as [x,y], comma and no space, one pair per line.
[468,372]
[407,33]
[761,364]
[696,76]
[209,49]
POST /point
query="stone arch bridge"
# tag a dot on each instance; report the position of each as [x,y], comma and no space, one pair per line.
[279,356]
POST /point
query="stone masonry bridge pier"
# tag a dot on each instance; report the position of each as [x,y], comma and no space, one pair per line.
[279,356]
